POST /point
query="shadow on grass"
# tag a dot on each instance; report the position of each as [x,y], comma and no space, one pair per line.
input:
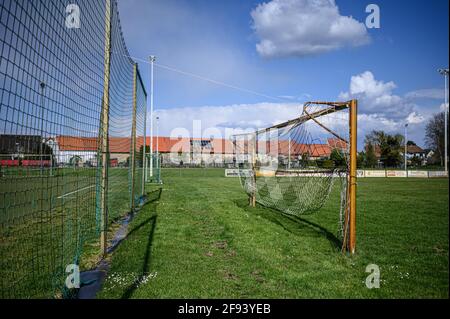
[151,199]
[146,258]
[152,196]
[95,278]
[289,223]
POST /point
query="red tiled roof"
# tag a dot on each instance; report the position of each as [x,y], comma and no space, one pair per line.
[218,146]
[123,144]
[414,149]
[74,143]
[283,147]
[336,143]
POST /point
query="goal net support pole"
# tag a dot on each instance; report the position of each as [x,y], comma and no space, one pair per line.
[104,133]
[133,141]
[253,159]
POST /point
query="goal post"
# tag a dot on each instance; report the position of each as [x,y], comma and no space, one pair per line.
[294,164]
[153,161]
[353,167]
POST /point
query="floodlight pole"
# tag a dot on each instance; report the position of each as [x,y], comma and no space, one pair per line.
[152,61]
[157,136]
[444,72]
[406,149]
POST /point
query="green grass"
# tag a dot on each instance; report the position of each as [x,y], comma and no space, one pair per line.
[46,222]
[201,240]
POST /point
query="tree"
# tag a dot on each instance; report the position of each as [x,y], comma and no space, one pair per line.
[435,135]
[375,137]
[304,160]
[338,158]
[371,158]
[390,147]
[391,150]
[416,161]
[361,160]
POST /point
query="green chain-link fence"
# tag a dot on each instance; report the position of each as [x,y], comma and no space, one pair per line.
[72,118]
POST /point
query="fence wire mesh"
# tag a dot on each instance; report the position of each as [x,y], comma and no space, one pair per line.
[52,80]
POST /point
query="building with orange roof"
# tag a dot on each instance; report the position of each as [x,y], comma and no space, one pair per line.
[194,151]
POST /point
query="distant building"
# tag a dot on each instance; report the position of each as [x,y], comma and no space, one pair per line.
[193,151]
[83,149]
[25,150]
[411,152]
[414,151]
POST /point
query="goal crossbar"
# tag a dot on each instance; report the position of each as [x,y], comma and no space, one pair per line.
[334,107]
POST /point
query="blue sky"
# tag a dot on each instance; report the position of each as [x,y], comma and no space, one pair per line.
[282,48]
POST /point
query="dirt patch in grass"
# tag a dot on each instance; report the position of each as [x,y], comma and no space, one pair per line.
[230,276]
[258,276]
[222,244]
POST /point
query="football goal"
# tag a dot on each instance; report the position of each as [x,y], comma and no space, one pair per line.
[292,166]
[153,168]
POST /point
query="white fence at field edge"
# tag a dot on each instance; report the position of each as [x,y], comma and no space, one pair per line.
[401,173]
[361,173]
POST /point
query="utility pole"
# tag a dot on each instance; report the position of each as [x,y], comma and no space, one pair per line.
[152,61]
[444,72]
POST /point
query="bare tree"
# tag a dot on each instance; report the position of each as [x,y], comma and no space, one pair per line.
[435,135]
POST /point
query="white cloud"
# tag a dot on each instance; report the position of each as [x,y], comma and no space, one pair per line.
[304,27]
[414,118]
[376,97]
[370,122]
[437,94]
[379,109]
[238,117]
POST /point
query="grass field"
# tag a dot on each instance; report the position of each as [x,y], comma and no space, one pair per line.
[47,221]
[201,240]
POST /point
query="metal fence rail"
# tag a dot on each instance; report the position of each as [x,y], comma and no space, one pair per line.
[72,109]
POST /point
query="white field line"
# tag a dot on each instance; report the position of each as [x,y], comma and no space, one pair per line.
[78,190]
